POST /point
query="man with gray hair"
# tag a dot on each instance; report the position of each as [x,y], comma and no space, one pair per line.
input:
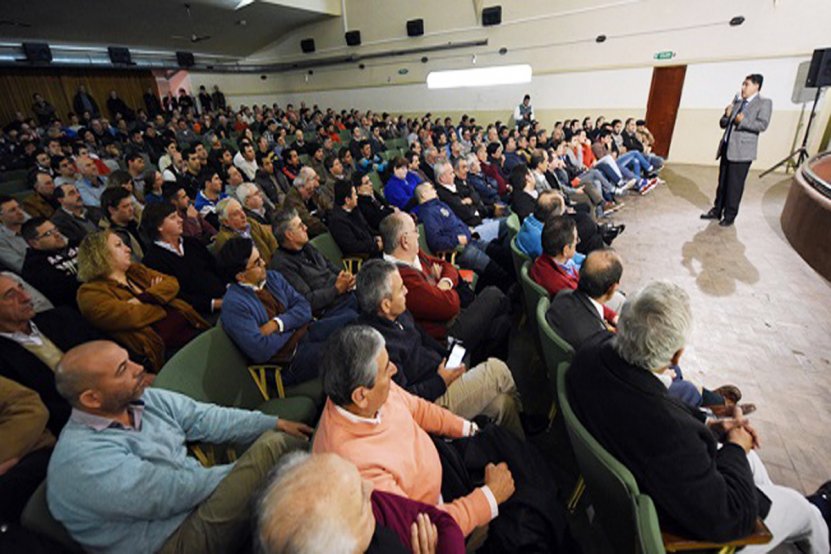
[301,198]
[234,222]
[299,512]
[702,489]
[253,203]
[120,479]
[486,389]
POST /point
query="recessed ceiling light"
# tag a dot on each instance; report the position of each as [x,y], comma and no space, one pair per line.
[241,22]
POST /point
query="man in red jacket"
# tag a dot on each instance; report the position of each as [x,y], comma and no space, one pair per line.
[481,323]
[555,269]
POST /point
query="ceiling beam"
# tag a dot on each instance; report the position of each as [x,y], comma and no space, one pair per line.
[323,7]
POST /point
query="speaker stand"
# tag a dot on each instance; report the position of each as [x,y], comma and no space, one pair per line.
[802,151]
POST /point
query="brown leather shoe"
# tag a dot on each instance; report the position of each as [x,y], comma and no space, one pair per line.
[730,393]
[727,410]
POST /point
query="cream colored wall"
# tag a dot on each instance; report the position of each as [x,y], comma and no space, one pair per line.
[573,75]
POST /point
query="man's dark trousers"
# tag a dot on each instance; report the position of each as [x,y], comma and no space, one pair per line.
[731,178]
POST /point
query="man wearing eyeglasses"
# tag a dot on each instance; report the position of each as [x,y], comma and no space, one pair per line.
[51,263]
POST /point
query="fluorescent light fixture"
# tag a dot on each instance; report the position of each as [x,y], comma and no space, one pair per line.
[480,76]
[243,3]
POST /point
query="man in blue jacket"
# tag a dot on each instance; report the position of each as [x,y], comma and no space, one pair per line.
[267,318]
[446,232]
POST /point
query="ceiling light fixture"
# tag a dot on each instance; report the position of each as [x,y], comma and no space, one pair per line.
[480,76]
[242,3]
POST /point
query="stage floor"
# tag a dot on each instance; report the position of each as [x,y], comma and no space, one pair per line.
[762,316]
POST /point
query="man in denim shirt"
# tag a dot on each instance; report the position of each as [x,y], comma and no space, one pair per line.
[120,479]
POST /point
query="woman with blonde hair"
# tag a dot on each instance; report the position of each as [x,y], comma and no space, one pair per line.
[135,305]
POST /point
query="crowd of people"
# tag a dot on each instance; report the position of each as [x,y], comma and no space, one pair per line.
[146,228]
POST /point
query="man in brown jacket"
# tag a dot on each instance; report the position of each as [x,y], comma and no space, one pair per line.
[234,223]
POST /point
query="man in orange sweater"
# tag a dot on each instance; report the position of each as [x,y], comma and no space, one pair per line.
[483,325]
[382,429]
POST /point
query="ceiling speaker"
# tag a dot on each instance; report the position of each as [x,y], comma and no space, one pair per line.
[415,27]
[492,16]
[353,38]
[119,55]
[819,73]
[307,45]
[185,59]
[37,52]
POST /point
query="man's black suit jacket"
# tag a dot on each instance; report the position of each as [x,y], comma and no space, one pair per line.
[699,490]
[66,328]
[575,318]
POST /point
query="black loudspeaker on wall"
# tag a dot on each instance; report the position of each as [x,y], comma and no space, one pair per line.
[353,38]
[819,73]
[492,16]
[415,27]
[119,55]
[185,59]
[37,52]
[307,45]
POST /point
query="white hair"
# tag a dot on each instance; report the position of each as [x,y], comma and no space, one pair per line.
[653,325]
[223,206]
[303,176]
[245,190]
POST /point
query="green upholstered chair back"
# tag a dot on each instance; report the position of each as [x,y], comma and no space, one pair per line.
[519,257]
[610,485]
[36,517]
[377,185]
[513,224]
[555,350]
[532,293]
[211,368]
[422,240]
[326,245]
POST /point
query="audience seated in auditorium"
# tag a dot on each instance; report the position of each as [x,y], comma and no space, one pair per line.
[301,196]
[274,189]
[182,257]
[446,233]
[64,169]
[525,192]
[246,161]
[119,217]
[12,244]
[234,223]
[700,490]
[291,164]
[32,343]
[551,203]
[51,263]
[487,187]
[326,287]
[42,201]
[577,316]
[129,443]
[135,305]
[90,184]
[485,389]
[25,448]
[348,226]
[632,143]
[193,223]
[374,208]
[189,178]
[354,518]
[267,319]
[401,185]
[394,451]
[441,302]
[368,161]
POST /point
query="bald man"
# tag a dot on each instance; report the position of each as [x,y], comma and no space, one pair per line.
[342,514]
[120,479]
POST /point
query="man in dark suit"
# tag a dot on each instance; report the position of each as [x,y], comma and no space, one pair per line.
[743,120]
[31,345]
[617,388]
[348,226]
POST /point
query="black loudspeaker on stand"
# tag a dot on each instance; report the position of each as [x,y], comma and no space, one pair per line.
[819,76]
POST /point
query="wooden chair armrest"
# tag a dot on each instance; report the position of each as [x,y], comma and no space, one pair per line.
[448,256]
[353,264]
[259,373]
[760,535]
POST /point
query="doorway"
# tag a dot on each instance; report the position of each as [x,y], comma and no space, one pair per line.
[662,107]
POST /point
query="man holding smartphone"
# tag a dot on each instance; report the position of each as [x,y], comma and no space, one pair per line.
[424,367]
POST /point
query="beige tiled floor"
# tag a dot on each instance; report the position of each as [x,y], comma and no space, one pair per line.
[762,315]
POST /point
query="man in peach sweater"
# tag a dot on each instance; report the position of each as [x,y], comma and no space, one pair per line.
[382,429]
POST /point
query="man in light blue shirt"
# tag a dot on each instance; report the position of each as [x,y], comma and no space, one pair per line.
[120,479]
[529,238]
[90,184]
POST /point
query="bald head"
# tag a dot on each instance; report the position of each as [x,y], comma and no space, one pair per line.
[600,273]
[549,203]
[300,512]
[99,377]
[425,192]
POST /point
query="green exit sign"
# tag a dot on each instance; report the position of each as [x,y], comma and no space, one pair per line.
[665,55]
